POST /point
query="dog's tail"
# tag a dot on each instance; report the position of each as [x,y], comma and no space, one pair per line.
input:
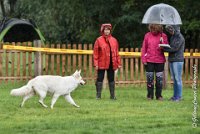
[21,91]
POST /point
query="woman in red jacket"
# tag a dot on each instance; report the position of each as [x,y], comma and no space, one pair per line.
[106,58]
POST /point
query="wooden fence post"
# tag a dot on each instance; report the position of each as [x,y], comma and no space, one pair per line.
[38,61]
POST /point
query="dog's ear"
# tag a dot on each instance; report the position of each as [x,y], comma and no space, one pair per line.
[79,71]
[75,72]
[77,75]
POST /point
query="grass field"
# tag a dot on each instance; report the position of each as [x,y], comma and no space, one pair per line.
[130,114]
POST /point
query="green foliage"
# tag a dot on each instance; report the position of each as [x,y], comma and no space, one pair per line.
[78,21]
[59,20]
[131,113]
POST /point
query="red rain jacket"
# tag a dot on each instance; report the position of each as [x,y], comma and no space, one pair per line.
[101,53]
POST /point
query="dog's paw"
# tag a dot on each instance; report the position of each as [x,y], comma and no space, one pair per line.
[77,106]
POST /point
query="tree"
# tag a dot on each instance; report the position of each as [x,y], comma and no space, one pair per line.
[79,21]
[12,5]
[3,8]
[7,7]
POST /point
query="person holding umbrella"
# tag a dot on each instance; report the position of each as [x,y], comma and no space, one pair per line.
[153,58]
[165,14]
[106,58]
[176,59]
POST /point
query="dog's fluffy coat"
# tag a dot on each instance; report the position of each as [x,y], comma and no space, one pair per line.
[56,85]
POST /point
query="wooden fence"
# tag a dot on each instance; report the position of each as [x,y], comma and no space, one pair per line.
[22,65]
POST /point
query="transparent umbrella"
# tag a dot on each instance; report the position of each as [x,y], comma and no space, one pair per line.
[162,14]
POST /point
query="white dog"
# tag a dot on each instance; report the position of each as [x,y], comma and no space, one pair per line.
[57,85]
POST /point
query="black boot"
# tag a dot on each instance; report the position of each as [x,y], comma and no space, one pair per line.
[150,85]
[112,90]
[98,89]
[159,83]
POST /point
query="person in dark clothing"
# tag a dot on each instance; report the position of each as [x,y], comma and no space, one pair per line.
[106,58]
[176,59]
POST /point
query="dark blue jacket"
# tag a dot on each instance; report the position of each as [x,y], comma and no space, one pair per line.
[177,44]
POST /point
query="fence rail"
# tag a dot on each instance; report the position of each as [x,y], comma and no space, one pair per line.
[17,65]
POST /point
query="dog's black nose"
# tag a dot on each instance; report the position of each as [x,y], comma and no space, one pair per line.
[82,84]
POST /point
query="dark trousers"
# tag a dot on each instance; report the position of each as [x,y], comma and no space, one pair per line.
[158,68]
[99,82]
[101,72]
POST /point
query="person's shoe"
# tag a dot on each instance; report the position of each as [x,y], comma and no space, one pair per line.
[177,99]
[113,98]
[160,98]
[149,98]
[172,98]
[98,97]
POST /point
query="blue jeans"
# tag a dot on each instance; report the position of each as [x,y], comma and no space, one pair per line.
[176,69]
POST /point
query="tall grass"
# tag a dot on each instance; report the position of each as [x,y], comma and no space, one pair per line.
[131,113]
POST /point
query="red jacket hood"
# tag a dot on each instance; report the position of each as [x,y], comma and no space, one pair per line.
[103,27]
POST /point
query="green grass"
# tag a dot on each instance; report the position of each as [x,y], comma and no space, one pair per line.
[131,113]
